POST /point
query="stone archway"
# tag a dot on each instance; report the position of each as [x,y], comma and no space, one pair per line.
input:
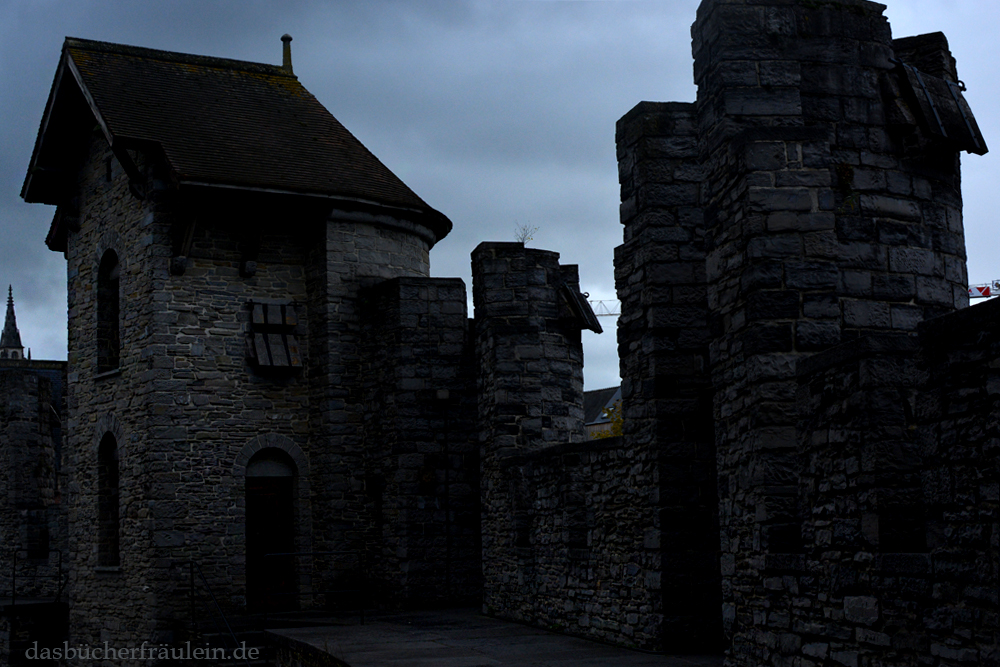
[275,474]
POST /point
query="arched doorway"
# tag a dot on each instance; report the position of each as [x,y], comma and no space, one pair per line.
[270,529]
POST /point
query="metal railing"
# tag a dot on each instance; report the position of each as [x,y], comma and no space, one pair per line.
[195,569]
[58,576]
[363,590]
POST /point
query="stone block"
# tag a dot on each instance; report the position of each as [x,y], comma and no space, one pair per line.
[773,305]
[811,275]
[781,199]
[823,305]
[803,222]
[762,274]
[893,287]
[767,339]
[866,314]
[803,178]
[737,73]
[847,658]
[933,291]
[861,609]
[667,195]
[816,650]
[890,207]
[775,246]
[779,73]
[913,261]
[866,636]
[765,156]
[905,316]
[957,654]
[762,102]
[816,335]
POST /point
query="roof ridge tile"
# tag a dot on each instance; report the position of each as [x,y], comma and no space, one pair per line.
[177,57]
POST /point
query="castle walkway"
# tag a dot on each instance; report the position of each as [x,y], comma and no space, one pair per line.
[458,638]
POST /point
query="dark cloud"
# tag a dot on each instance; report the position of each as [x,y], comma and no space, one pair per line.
[497,113]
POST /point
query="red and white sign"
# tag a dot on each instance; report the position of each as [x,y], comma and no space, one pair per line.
[980,291]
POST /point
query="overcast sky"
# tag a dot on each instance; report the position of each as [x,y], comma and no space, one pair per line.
[497,113]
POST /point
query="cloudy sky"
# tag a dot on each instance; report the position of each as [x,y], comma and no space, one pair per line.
[498,113]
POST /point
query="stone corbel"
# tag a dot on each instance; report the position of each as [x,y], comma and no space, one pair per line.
[69,214]
[251,250]
[183,233]
[136,183]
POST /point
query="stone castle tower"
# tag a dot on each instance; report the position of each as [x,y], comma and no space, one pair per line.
[789,239]
[222,389]
[263,379]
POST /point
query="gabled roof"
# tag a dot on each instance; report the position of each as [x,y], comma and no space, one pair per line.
[218,122]
[595,401]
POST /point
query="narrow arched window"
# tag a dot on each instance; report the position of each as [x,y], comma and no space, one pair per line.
[107,502]
[108,341]
[270,530]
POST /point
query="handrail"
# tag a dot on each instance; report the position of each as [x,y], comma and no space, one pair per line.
[58,576]
[192,566]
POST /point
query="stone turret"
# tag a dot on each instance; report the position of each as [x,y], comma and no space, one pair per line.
[10,340]
[809,198]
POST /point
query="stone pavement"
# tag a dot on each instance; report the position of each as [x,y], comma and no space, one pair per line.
[465,638]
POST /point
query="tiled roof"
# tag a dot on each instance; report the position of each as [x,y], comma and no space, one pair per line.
[596,400]
[230,123]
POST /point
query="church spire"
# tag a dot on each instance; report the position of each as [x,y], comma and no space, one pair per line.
[10,339]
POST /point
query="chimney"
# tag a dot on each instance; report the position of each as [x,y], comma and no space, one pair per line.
[286,52]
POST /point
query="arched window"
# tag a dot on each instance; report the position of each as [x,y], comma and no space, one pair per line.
[108,341]
[270,529]
[107,502]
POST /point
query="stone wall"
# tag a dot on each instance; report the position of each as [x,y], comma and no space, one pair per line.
[188,408]
[421,451]
[817,202]
[106,604]
[585,556]
[351,252]
[663,336]
[899,502]
[535,529]
[960,484]
[30,507]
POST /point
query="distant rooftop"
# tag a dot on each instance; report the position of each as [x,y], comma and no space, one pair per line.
[596,400]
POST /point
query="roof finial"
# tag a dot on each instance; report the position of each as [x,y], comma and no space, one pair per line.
[286,52]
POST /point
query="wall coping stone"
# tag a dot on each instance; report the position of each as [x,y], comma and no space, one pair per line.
[518,457]
[964,326]
[904,344]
